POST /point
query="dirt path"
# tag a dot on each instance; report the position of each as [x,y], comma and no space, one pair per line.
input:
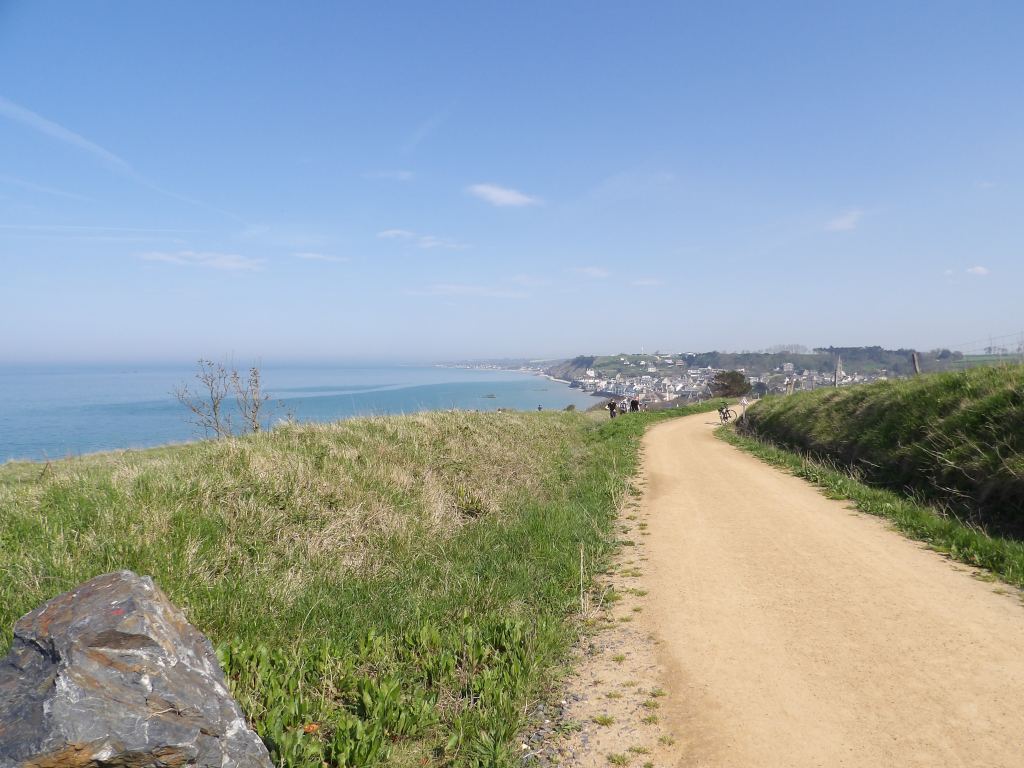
[796,632]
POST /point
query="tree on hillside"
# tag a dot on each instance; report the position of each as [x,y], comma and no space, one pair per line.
[730,384]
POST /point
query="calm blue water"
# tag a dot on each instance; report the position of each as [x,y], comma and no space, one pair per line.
[51,412]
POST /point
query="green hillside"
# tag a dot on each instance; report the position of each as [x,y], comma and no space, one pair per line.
[405,584]
[953,438]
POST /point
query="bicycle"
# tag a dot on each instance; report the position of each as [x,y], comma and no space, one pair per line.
[725,415]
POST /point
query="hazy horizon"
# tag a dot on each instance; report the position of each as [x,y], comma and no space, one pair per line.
[462,181]
[1012,341]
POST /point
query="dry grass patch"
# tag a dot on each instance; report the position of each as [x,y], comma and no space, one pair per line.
[267,518]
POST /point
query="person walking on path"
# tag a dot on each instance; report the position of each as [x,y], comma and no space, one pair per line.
[634,405]
[612,408]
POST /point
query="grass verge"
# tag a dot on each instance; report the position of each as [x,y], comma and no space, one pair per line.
[941,531]
[956,439]
[388,590]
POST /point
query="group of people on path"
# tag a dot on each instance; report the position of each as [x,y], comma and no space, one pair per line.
[615,408]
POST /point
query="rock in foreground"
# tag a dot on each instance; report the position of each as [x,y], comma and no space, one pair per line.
[111,674]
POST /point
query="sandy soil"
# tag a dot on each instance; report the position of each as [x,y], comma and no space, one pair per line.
[611,711]
[789,630]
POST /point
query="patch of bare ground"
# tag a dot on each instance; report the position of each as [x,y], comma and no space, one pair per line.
[611,710]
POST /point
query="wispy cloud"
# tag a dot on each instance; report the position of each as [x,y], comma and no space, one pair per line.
[390,175]
[27,117]
[529,281]
[254,231]
[397,234]
[845,222]
[594,273]
[646,281]
[429,241]
[93,228]
[99,234]
[470,290]
[14,181]
[289,241]
[420,240]
[40,124]
[307,256]
[628,185]
[423,130]
[210,260]
[978,271]
[503,197]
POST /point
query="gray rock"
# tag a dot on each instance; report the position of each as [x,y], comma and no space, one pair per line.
[111,674]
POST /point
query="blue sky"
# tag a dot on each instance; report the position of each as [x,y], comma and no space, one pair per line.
[326,180]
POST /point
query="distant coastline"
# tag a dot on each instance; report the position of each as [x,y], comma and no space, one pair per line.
[554,378]
[82,410]
[516,367]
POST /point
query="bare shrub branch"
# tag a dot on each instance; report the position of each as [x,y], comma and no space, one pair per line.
[207,403]
[210,402]
[250,397]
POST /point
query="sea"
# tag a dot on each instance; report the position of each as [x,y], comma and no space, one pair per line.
[54,411]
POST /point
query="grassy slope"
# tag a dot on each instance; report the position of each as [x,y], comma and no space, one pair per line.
[395,586]
[956,439]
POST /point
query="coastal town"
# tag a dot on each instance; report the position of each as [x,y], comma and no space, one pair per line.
[666,380]
[660,381]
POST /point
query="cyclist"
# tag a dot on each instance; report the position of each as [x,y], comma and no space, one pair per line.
[723,412]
